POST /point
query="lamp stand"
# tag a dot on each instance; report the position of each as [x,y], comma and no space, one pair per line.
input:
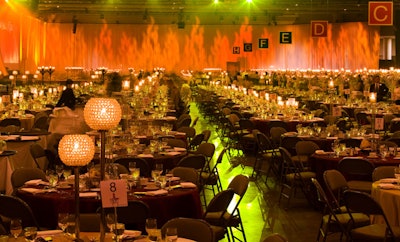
[102,176]
[77,219]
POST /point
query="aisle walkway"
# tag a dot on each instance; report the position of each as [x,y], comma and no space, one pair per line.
[259,208]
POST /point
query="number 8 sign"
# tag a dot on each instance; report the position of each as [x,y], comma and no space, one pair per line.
[113,193]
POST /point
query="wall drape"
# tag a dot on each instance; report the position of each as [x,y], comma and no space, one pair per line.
[28,42]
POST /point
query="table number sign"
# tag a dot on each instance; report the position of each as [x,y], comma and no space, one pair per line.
[379,123]
[113,193]
[336,111]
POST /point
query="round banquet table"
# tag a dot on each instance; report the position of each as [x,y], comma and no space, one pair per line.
[179,202]
[323,162]
[389,199]
[263,124]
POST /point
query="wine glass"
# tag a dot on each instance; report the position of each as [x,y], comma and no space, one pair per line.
[132,166]
[171,234]
[110,220]
[151,229]
[66,173]
[397,174]
[118,229]
[59,171]
[15,227]
[63,221]
[30,233]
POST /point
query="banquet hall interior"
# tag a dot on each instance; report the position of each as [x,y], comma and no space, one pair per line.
[256,120]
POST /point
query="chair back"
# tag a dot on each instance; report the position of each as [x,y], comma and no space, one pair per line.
[175,142]
[381,172]
[336,184]
[276,124]
[187,174]
[239,184]
[190,228]
[362,202]
[221,156]
[220,203]
[207,135]
[39,156]
[22,175]
[196,141]
[394,140]
[41,123]
[194,161]
[145,169]
[206,149]
[189,131]
[276,135]
[275,238]
[10,121]
[289,143]
[306,147]
[263,143]
[133,216]
[356,168]
[183,123]
[14,207]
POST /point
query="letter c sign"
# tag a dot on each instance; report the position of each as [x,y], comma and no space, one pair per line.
[319,28]
[380,13]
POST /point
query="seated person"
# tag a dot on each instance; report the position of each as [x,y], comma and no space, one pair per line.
[67,98]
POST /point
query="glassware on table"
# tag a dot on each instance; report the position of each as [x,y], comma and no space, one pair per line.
[163,181]
[66,173]
[15,227]
[118,229]
[110,220]
[397,174]
[171,234]
[30,233]
[384,151]
[53,180]
[63,221]
[136,174]
[132,166]
[151,229]
[59,171]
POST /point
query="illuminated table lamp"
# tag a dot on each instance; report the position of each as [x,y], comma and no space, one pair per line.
[76,150]
[102,114]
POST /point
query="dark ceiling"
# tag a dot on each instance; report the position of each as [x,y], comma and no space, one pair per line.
[205,12]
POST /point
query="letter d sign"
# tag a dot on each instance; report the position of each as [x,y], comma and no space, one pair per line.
[319,28]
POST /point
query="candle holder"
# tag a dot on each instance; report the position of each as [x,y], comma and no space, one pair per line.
[42,71]
[103,71]
[102,114]
[76,150]
[51,71]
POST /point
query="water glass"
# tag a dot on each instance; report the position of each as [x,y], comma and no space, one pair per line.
[118,229]
[397,174]
[171,234]
[151,229]
[63,221]
[15,227]
[30,233]
[132,166]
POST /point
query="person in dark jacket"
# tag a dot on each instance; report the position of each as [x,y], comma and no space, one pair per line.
[67,98]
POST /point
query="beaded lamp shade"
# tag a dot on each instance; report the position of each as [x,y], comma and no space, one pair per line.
[102,113]
[76,149]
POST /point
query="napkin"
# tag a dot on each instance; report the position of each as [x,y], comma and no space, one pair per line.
[388,180]
[174,178]
[173,153]
[386,186]
[33,182]
[146,156]
[188,185]
[185,240]
[33,190]
[26,138]
[180,149]
[157,192]
[45,233]
[88,194]
[180,133]
[132,233]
